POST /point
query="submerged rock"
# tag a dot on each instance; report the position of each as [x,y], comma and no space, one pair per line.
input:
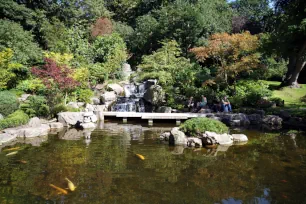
[272,120]
[116,88]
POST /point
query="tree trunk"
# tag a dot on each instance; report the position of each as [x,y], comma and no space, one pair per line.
[295,66]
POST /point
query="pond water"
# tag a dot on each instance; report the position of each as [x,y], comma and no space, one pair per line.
[271,168]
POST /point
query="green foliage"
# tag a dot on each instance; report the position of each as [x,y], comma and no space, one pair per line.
[109,53]
[31,86]
[8,103]
[82,75]
[58,109]
[249,92]
[15,119]
[195,126]
[84,95]
[8,69]
[36,106]
[20,41]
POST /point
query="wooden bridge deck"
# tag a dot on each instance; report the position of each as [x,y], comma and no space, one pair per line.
[151,116]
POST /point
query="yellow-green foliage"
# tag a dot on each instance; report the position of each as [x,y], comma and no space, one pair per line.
[31,86]
[15,119]
[60,59]
[7,67]
[82,76]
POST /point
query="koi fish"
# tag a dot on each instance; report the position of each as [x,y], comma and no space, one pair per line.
[59,189]
[140,156]
[12,153]
[284,181]
[284,196]
[11,149]
[23,161]
[71,186]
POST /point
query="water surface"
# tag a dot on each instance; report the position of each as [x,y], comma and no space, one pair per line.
[271,168]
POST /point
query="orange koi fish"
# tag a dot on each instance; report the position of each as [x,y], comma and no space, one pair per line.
[59,189]
[140,156]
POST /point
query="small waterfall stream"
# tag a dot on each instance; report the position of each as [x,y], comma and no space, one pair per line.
[132,101]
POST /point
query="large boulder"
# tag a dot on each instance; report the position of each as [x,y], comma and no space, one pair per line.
[164,109]
[179,136]
[95,101]
[210,138]
[154,95]
[34,122]
[272,120]
[116,88]
[108,97]
[38,131]
[5,138]
[70,118]
[239,138]
[255,119]
[194,142]
[56,125]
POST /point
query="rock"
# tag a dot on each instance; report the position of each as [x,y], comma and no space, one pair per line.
[165,136]
[93,118]
[178,150]
[100,108]
[116,88]
[235,123]
[34,122]
[194,142]
[210,138]
[108,96]
[36,141]
[205,111]
[71,134]
[243,119]
[70,118]
[56,125]
[272,120]
[296,122]
[164,109]
[100,86]
[95,101]
[255,119]
[1,117]
[179,136]
[5,138]
[260,112]
[73,105]
[154,95]
[88,125]
[35,132]
[80,104]
[239,138]
[24,97]
[90,108]
[284,114]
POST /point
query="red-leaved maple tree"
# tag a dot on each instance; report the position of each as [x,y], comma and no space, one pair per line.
[55,77]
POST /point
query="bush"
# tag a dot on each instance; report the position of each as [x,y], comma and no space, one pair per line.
[8,103]
[200,125]
[31,86]
[36,106]
[277,101]
[58,109]
[84,95]
[15,119]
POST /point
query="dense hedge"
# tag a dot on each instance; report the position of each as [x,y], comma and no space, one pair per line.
[15,119]
[36,106]
[8,103]
[200,125]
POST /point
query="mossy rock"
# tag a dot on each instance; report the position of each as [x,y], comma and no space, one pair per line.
[196,126]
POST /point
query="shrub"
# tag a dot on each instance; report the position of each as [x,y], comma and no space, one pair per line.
[15,119]
[36,106]
[84,95]
[200,125]
[277,101]
[31,86]
[8,103]
[58,109]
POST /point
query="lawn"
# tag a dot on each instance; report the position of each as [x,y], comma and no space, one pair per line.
[291,96]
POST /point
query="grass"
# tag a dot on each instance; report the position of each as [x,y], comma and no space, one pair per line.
[292,96]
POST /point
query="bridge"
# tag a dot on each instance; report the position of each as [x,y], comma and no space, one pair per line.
[151,116]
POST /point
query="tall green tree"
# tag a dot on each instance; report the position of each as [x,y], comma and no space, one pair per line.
[289,37]
[20,41]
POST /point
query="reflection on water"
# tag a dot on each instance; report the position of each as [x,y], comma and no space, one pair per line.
[270,168]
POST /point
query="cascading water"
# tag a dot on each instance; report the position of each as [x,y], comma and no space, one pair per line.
[132,101]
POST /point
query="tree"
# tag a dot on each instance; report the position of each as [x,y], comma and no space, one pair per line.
[8,69]
[251,15]
[289,37]
[232,54]
[109,53]
[20,41]
[56,77]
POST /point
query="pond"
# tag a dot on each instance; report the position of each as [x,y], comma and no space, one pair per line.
[271,168]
